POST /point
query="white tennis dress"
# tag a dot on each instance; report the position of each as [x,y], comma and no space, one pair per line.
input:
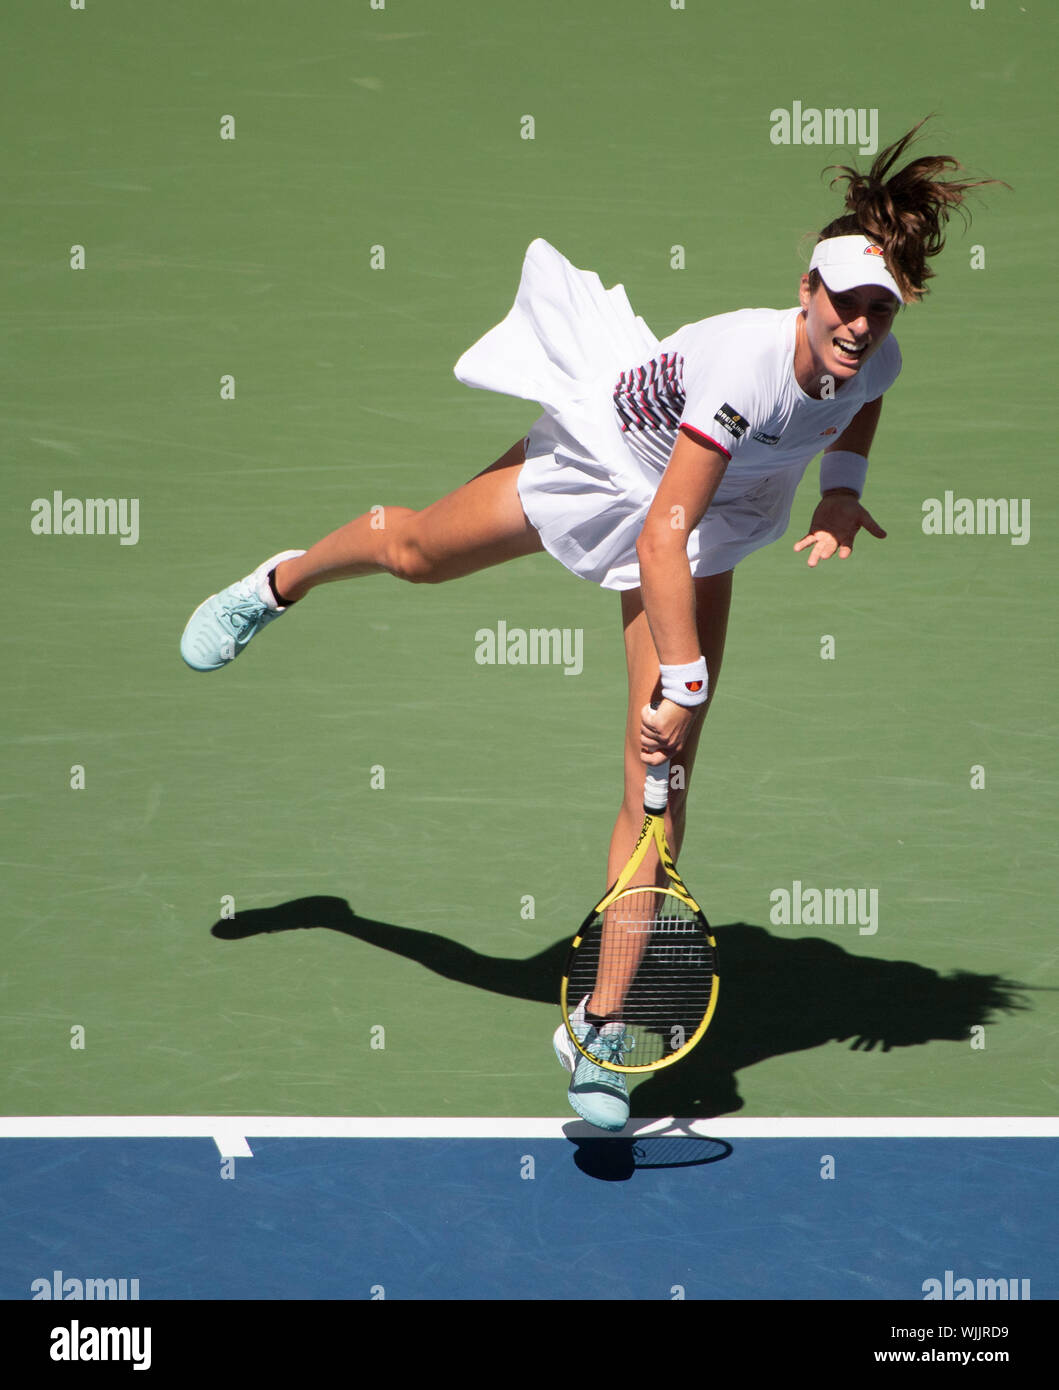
[615,396]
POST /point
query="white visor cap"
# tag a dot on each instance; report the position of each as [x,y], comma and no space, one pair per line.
[844,262]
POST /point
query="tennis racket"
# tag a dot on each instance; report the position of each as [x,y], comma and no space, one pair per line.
[644,958]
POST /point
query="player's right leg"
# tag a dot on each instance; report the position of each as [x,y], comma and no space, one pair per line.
[478,525]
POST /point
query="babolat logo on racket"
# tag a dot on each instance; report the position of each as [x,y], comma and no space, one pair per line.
[733,422]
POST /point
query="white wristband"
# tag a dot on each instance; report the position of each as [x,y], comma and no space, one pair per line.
[686,685]
[840,468]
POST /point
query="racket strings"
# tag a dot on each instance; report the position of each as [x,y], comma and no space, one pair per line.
[648,960]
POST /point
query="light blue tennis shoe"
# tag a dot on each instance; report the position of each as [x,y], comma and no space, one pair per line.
[598,1095]
[219,629]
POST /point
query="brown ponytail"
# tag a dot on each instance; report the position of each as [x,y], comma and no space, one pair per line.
[905,212]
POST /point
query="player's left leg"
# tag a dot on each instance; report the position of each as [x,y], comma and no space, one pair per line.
[596,1093]
[713,598]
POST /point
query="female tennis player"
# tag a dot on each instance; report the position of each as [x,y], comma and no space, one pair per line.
[656,467]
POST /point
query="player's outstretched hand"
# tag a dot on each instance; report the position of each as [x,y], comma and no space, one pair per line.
[836,521]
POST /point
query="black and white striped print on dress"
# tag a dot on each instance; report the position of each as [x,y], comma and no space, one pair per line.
[649,401]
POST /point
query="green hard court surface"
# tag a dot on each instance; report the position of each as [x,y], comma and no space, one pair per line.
[436,907]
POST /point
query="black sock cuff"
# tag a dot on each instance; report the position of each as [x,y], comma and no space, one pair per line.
[283,602]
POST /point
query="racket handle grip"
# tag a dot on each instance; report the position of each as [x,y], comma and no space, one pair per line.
[656,788]
[656,783]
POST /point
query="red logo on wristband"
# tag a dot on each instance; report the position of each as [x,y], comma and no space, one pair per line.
[693,686]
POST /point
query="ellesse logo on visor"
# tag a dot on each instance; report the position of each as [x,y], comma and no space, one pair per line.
[873,250]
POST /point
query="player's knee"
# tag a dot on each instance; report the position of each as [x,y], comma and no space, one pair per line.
[406,559]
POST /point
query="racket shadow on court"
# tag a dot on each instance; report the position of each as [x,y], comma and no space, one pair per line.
[778,996]
[615,1158]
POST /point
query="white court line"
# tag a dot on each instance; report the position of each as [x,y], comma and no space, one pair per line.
[231,1132]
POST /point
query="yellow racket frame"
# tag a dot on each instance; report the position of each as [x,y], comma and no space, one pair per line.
[654,829]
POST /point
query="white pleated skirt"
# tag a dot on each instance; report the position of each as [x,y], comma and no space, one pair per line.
[564,343]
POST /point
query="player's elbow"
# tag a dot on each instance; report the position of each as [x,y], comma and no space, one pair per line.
[658,545]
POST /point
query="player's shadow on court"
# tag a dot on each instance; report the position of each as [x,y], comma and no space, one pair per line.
[777,996]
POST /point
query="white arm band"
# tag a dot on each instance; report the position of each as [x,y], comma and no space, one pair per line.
[686,685]
[840,468]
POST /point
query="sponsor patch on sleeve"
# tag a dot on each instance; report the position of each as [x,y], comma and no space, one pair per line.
[733,422]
